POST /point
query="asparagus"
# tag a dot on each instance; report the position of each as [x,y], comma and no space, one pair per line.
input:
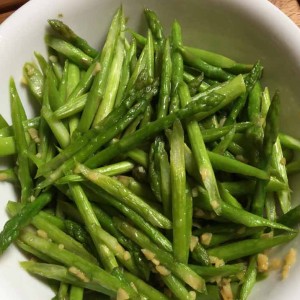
[66,32]
[18,116]
[13,226]
[178,196]
[101,107]
[120,192]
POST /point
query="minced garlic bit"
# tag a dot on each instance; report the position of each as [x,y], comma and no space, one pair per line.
[141,169]
[34,134]
[79,274]
[39,155]
[215,204]
[24,81]
[61,246]
[162,270]
[29,70]
[289,261]
[41,233]
[194,282]
[53,58]
[222,121]
[133,286]
[155,261]
[216,279]
[126,255]
[122,294]
[262,262]
[283,161]
[193,242]
[31,198]
[92,175]
[193,295]
[97,68]
[206,238]
[148,254]
[216,261]
[204,173]
[226,291]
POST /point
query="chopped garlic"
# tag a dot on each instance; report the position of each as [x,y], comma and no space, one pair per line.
[78,273]
[61,246]
[289,261]
[122,294]
[148,254]
[216,261]
[41,233]
[262,262]
[34,134]
[193,242]
[206,238]
[155,261]
[226,291]
[162,270]
[193,295]
[126,255]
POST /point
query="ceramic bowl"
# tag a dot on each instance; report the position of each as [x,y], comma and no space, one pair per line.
[243,30]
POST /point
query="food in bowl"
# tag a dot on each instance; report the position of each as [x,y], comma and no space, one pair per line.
[170,155]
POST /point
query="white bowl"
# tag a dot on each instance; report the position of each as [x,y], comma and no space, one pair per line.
[244,30]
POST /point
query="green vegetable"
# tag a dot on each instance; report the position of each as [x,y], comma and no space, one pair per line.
[150,163]
[12,227]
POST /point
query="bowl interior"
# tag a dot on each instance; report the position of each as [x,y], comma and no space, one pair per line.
[244,30]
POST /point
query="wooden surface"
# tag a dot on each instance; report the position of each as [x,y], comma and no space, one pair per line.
[290,7]
[7,7]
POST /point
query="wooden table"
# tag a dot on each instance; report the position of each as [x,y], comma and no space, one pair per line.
[289,7]
[7,7]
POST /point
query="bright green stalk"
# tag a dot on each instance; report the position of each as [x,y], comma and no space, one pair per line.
[90,272]
[58,128]
[61,273]
[7,146]
[177,65]
[18,116]
[178,186]
[54,233]
[120,192]
[97,90]
[76,293]
[34,79]
[165,82]
[66,32]
[151,251]
[200,153]
[12,227]
[112,84]
[248,247]
[71,52]
[92,224]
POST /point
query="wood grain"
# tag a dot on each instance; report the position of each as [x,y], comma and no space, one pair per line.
[290,7]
